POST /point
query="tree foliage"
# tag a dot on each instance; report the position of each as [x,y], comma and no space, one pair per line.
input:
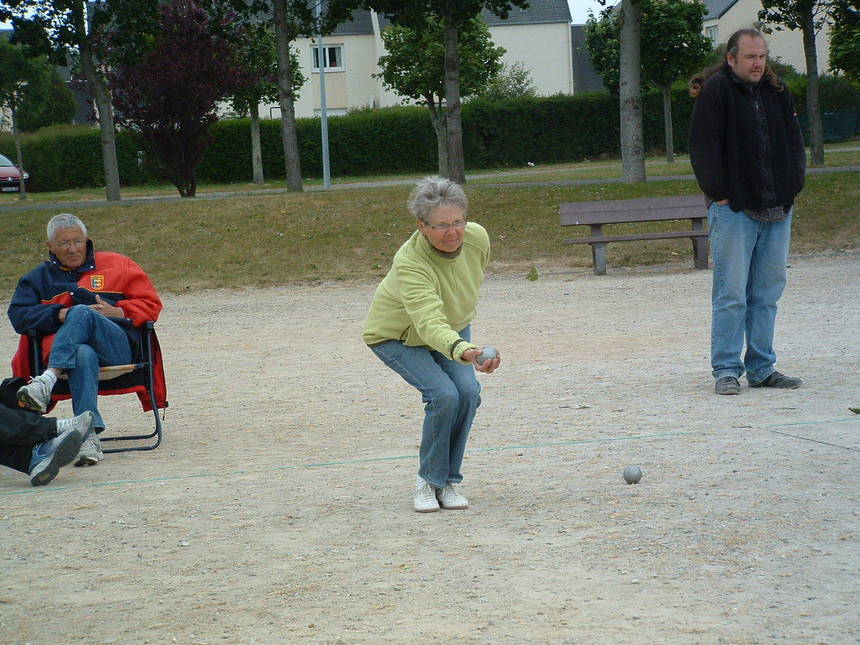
[46,101]
[414,66]
[512,82]
[170,97]
[845,38]
[40,96]
[672,41]
[257,53]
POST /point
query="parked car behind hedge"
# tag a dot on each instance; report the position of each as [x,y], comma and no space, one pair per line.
[10,176]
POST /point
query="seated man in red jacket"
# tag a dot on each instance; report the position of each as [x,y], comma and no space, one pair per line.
[89,304]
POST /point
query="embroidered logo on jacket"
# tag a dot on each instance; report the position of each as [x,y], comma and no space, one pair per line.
[97,282]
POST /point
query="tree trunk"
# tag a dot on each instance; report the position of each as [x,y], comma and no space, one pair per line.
[439,121]
[22,185]
[285,99]
[256,149]
[456,163]
[667,123]
[632,149]
[813,107]
[105,116]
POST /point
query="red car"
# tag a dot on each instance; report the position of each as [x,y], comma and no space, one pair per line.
[10,176]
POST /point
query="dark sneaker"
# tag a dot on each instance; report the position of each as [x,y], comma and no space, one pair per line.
[779,380]
[727,385]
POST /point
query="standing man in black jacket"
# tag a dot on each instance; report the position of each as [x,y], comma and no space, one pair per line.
[747,152]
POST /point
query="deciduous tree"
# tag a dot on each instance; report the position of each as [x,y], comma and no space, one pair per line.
[809,17]
[257,52]
[292,19]
[414,67]
[59,28]
[454,15]
[170,97]
[672,46]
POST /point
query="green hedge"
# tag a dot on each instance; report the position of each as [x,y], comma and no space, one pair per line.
[391,140]
[65,157]
[835,93]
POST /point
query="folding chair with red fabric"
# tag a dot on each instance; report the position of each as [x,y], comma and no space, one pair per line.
[144,377]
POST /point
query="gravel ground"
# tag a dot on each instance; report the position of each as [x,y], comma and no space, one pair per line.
[278,509]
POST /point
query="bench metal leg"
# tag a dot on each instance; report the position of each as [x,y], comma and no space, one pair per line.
[598,255]
[700,247]
[700,252]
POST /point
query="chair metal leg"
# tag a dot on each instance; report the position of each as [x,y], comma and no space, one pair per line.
[150,388]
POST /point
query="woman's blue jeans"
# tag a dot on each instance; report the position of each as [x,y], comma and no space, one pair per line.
[451,396]
[84,342]
[749,276]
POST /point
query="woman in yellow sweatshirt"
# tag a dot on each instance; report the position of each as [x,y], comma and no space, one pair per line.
[419,326]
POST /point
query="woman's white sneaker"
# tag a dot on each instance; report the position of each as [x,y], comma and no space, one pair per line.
[425,497]
[449,498]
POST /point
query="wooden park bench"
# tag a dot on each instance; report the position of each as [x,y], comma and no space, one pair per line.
[619,211]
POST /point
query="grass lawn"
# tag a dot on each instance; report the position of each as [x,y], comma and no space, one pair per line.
[345,235]
[840,154]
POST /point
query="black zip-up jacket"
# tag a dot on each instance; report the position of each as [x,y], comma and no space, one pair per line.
[745,143]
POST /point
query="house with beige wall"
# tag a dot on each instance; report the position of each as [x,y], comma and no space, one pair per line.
[538,37]
[727,16]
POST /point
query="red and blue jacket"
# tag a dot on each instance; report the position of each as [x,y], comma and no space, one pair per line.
[50,287]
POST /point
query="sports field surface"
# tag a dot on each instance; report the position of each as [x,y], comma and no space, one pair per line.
[278,509]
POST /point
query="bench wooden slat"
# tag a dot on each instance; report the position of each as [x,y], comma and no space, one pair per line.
[632,210]
[635,236]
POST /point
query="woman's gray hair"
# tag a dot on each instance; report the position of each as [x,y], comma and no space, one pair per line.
[64,220]
[431,193]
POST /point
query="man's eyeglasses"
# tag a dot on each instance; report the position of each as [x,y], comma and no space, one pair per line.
[67,244]
[456,225]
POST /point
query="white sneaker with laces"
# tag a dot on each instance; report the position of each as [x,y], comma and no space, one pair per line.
[425,497]
[36,395]
[451,499]
[91,451]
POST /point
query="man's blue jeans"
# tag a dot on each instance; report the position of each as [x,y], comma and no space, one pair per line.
[451,396]
[86,341]
[749,277]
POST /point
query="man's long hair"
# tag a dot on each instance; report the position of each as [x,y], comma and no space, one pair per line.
[698,80]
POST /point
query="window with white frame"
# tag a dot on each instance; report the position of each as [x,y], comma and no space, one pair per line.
[713,34]
[332,58]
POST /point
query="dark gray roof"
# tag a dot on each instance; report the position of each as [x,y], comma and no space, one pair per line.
[539,12]
[359,25]
[716,8]
[585,79]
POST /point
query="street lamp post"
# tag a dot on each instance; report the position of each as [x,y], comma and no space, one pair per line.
[323,110]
